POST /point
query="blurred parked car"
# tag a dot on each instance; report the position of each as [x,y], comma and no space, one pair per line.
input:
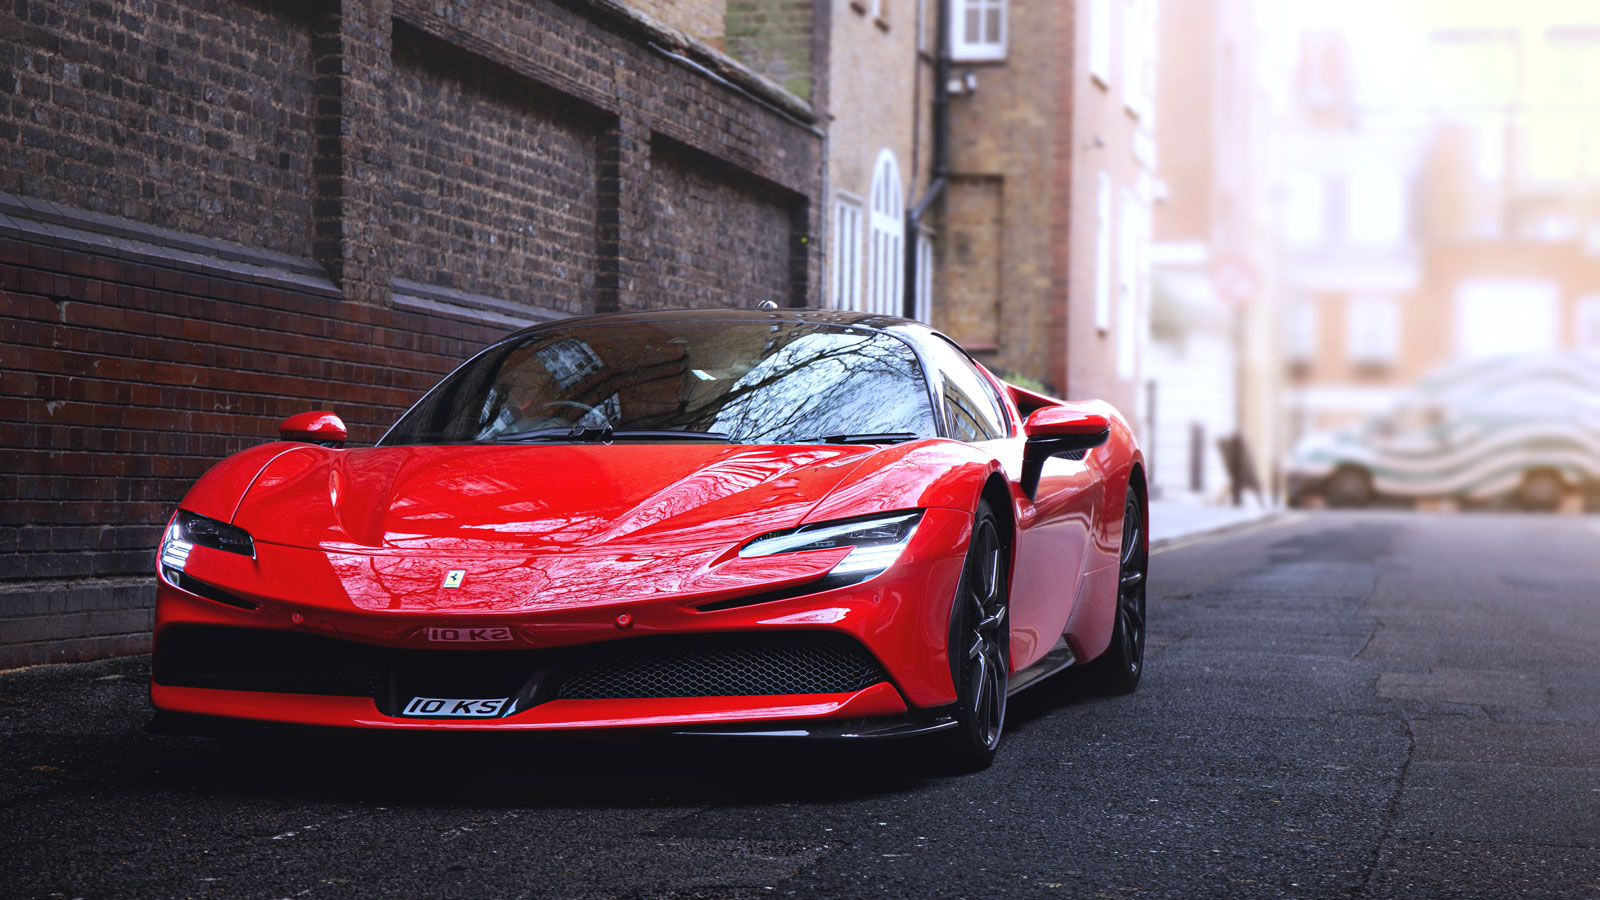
[1519,430]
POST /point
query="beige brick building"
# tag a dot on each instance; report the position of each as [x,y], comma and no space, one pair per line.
[701,20]
[880,141]
[1044,271]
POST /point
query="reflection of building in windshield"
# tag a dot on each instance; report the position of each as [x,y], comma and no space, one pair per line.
[568,361]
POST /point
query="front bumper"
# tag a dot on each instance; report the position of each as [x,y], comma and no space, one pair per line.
[901,618]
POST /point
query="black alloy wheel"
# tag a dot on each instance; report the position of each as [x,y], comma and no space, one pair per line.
[1117,671]
[980,647]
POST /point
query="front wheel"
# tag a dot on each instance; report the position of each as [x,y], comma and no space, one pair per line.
[980,654]
[1117,670]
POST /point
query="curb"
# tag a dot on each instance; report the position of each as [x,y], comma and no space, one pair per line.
[1270,517]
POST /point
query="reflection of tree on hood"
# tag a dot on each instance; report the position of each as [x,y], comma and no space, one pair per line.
[825,383]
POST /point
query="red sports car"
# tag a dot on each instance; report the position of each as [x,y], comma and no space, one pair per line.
[804,523]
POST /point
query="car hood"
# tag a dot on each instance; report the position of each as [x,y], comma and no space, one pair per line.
[453,500]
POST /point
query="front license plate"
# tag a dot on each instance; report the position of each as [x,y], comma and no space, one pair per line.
[470,635]
[451,707]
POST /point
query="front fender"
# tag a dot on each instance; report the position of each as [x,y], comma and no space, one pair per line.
[221,489]
[934,473]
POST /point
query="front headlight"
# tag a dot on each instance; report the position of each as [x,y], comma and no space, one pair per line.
[875,542]
[189,530]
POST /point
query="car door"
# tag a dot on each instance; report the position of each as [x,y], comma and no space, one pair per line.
[1053,530]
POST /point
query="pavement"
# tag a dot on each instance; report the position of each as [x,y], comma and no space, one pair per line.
[1335,705]
[1174,520]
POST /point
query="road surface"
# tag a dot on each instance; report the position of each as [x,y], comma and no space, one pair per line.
[1336,705]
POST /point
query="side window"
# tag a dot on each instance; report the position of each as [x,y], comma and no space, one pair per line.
[971,409]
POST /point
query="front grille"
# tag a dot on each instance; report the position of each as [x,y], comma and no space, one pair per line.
[239,659]
[706,665]
[722,665]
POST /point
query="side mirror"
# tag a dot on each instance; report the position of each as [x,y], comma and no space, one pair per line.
[321,427]
[1054,431]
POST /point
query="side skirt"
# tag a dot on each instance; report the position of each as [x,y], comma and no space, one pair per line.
[1059,657]
[893,727]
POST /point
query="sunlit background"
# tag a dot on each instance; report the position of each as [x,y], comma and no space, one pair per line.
[1377,250]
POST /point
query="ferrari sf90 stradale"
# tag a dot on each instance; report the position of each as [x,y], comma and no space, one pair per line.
[800,523]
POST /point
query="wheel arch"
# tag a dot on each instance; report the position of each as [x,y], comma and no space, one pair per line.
[1137,484]
[996,491]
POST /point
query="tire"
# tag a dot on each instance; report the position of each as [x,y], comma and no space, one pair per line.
[1118,670]
[1541,491]
[980,649]
[1349,488]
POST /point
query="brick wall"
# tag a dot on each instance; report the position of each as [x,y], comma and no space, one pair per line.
[688,266]
[1013,137]
[179,114]
[495,180]
[969,295]
[127,373]
[215,214]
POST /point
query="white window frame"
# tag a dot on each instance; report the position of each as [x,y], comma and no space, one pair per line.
[1586,333]
[1504,317]
[1303,326]
[1305,209]
[1376,207]
[1100,42]
[846,276]
[1372,330]
[1130,236]
[886,239]
[964,50]
[1102,253]
[1139,58]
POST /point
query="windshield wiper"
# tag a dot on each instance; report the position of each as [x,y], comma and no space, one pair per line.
[577,434]
[641,434]
[605,434]
[881,437]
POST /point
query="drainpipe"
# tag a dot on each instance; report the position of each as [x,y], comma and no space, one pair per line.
[941,152]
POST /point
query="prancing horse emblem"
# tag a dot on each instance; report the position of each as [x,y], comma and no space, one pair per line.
[453,578]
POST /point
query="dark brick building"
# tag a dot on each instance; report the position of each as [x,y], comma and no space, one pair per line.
[216,213]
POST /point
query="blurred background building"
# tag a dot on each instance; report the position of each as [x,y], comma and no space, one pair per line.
[1442,196]
[1221,107]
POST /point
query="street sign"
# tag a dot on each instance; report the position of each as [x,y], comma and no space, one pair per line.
[1235,280]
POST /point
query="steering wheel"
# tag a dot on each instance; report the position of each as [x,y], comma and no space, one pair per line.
[587,410]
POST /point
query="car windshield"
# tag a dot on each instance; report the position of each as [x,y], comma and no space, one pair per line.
[737,380]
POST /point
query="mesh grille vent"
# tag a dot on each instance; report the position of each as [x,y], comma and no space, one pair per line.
[729,665]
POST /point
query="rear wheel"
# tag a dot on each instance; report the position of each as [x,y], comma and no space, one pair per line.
[980,648]
[1117,670]
[1541,491]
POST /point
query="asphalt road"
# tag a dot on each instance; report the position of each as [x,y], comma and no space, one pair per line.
[1381,705]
